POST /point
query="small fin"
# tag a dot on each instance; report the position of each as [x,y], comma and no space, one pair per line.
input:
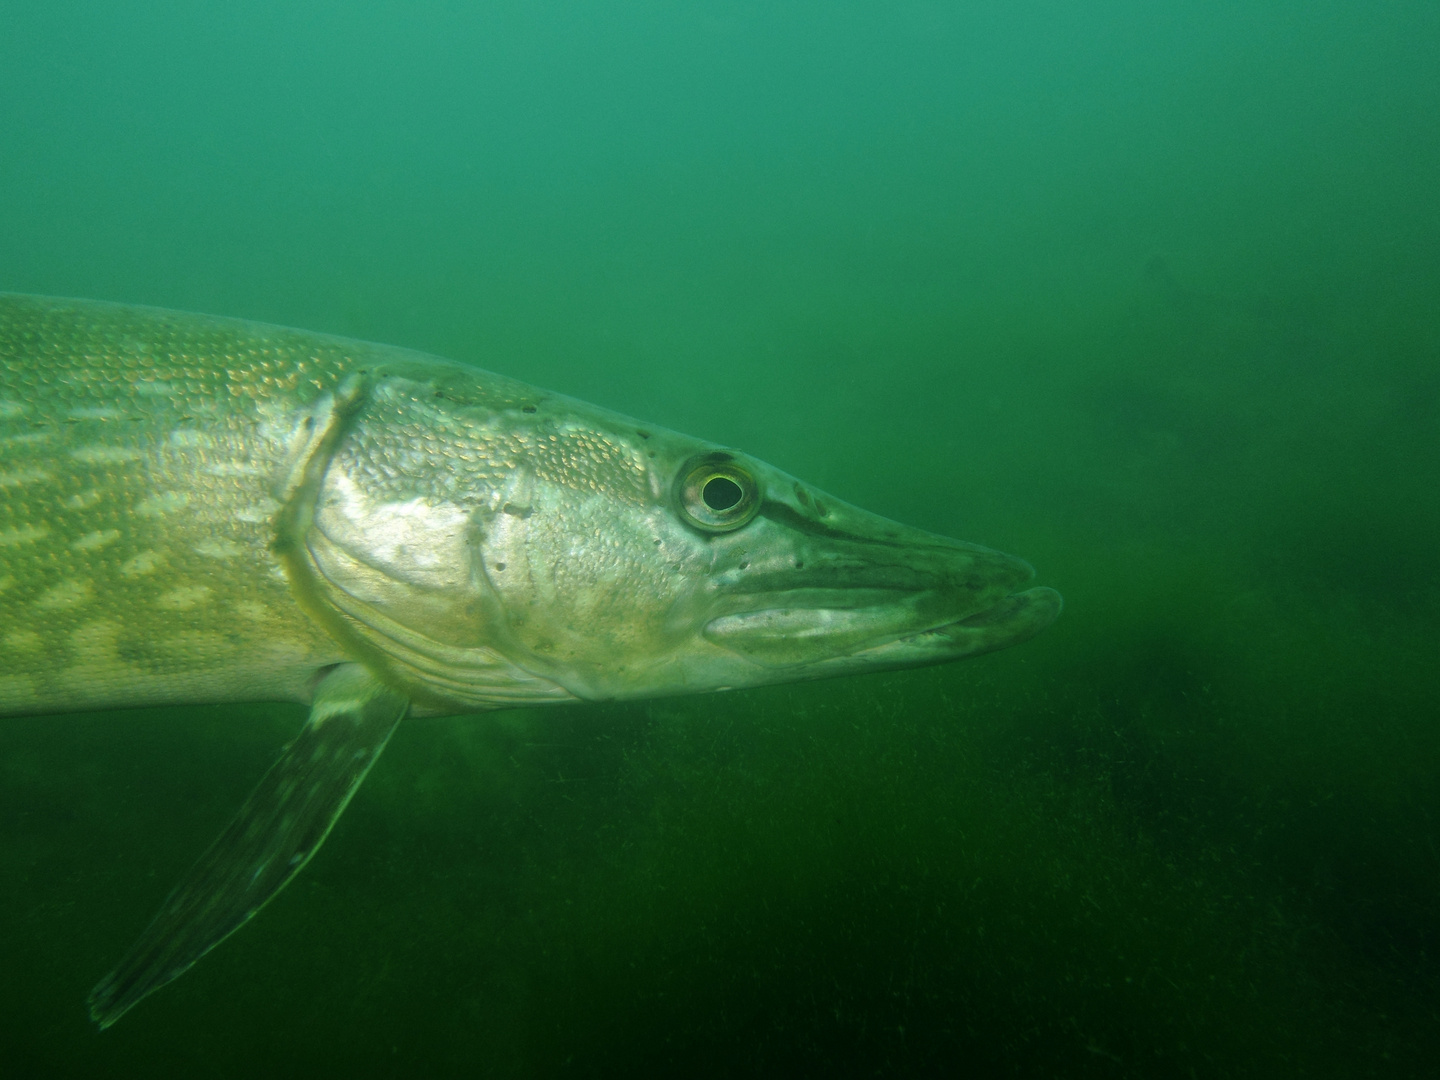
[283,822]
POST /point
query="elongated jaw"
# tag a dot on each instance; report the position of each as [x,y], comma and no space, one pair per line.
[1016,618]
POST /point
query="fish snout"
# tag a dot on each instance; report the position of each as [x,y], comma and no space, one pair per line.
[889,596]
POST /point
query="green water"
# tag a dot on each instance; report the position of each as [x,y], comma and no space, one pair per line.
[1146,293]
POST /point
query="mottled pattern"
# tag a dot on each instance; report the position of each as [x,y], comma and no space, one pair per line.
[144,458]
[202,509]
[406,446]
[417,438]
[467,538]
[139,452]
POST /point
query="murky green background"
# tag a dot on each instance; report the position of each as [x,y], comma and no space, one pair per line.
[1147,293]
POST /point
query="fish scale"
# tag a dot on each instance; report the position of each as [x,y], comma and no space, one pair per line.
[138,515]
[196,509]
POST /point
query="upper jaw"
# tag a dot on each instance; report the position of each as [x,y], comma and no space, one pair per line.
[878,634]
[888,607]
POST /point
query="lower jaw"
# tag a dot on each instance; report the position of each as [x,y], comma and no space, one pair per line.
[1010,620]
[1018,617]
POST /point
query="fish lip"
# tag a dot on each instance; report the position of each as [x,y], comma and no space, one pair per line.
[869,604]
[1012,619]
[905,573]
[867,582]
[1009,619]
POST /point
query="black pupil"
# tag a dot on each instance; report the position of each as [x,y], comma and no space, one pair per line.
[721,493]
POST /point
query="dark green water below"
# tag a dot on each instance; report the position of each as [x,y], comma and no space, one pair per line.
[1146,296]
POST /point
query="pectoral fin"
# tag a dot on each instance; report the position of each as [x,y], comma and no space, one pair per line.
[281,825]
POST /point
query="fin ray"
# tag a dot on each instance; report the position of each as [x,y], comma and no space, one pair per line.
[277,831]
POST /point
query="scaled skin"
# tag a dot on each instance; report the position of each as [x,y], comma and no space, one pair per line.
[195,509]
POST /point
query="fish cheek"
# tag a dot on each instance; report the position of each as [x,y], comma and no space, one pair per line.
[592,599]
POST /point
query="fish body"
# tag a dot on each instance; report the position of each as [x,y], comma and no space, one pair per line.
[196,509]
[138,457]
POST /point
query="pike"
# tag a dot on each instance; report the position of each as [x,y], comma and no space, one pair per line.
[200,510]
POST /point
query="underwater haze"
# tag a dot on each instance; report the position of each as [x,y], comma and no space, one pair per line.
[1148,294]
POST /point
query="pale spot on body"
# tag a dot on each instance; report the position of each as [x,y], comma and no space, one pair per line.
[83,500]
[100,454]
[10,409]
[97,412]
[184,598]
[94,643]
[15,535]
[94,541]
[258,512]
[25,438]
[281,652]
[17,691]
[207,647]
[218,549]
[160,505]
[6,581]
[233,468]
[71,593]
[20,477]
[190,437]
[147,562]
[253,610]
[24,641]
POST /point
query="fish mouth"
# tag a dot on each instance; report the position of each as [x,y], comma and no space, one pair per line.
[942,604]
[1016,618]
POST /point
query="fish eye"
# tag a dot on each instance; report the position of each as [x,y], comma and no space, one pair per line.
[716,494]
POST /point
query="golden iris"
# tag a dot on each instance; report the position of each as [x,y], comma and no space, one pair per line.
[717,494]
